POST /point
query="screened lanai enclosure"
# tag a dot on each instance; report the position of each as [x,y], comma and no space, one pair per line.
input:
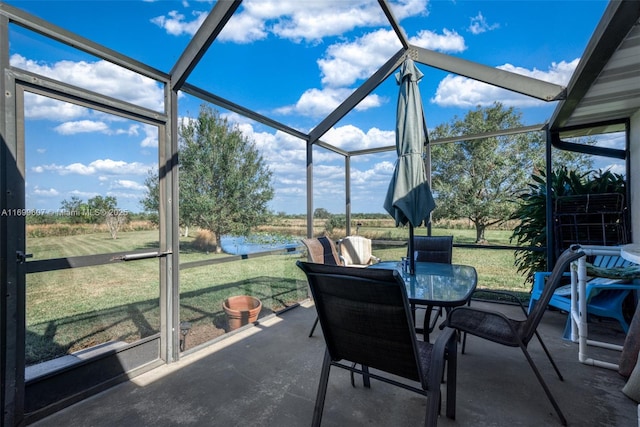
[90,299]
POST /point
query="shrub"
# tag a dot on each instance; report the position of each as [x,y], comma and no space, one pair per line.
[531,229]
[205,241]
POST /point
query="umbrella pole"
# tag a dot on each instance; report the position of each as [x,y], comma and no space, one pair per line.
[412,258]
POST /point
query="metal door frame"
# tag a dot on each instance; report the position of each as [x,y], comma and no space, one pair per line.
[27,402]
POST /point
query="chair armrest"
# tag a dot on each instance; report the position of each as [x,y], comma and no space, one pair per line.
[445,348]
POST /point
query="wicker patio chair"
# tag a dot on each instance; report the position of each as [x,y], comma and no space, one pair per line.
[495,326]
[366,321]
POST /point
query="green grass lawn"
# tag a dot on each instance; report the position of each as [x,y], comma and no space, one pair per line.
[72,309]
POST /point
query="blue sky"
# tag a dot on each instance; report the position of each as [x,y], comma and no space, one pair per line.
[294,61]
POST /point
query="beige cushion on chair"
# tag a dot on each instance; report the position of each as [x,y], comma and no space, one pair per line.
[355,251]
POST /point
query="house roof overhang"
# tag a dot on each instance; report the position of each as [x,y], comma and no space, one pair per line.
[604,91]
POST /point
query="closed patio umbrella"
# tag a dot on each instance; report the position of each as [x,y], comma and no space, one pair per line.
[409,198]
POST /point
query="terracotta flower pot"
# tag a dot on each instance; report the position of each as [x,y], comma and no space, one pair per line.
[241,310]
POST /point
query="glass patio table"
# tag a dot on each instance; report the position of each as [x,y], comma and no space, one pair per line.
[436,284]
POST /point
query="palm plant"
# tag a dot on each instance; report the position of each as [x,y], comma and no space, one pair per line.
[531,230]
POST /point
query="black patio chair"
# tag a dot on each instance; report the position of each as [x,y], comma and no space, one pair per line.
[431,249]
[366,320]
[495,326]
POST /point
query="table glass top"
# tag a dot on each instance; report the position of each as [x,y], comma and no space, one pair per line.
[435,283]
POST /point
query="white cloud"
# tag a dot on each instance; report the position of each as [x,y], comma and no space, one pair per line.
[102,166]
[45,192]
[350,137]
[314,20]
[448,41]
[320,102]
[81,126]
[99,76]
[458,91]
[128,184]
[151,136]
[286,157]
[89,126]
[280,150]
[559,72]
[379,173]
[344,64]
[40,107]
[295,20]
[131,130]
[308,20]
[77,168]
[177,24]
[244,28]
[480,25]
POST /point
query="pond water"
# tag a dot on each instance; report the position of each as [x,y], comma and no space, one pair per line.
[243,245]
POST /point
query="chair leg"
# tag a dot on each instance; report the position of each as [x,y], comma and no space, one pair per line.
[553,363]
[452,377]
[464,335]
[431,418]
[426,327]
[313,328]
[434,398]
[322,390]
[366,380]
[434,402]
[429,325]
[563,420]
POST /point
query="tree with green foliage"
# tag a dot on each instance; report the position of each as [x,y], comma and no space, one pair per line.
[96,210]
[532,211]
[225,184]
[479,179]
[151,200]
[71,210]
[99,208]
[321,213]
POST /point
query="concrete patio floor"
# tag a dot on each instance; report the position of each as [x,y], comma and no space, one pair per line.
[267,375]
